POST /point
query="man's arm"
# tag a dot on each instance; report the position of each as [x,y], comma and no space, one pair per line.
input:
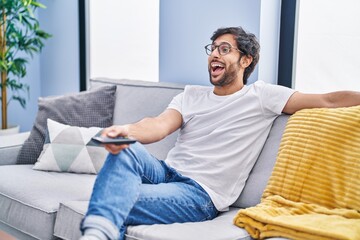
[148,130]
[151,130]
[300,101]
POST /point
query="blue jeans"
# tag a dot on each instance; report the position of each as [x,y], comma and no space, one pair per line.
[135,188]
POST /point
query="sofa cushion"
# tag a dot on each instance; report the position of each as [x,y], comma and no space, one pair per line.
[138,99]
[29,199]
[86,109]
[70,149]
[262,170]
[71,213]
[220,228]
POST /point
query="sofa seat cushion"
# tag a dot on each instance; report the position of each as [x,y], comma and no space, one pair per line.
[71,213]
[220,228]
[29,199]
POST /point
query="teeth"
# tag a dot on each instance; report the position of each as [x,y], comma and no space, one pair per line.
[216,65]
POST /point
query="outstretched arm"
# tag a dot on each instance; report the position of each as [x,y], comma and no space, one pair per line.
[151,130]
[148,130]
[300,101]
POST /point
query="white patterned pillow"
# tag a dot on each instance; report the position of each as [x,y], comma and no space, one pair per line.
[70,149]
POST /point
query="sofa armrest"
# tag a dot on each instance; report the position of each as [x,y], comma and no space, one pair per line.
[10,146]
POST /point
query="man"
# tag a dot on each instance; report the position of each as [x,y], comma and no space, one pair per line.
[222,131]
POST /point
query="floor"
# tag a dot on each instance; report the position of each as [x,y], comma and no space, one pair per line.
[5,236]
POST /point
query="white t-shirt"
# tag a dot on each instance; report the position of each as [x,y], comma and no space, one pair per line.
[222,136]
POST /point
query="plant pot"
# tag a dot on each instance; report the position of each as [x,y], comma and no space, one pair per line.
[10,130]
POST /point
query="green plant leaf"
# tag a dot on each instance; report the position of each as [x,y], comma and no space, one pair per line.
[27,21]
[31,13]
[37,4]
[18,67]
[21,100]
[42,34]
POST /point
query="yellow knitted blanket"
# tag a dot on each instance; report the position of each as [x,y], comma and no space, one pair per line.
[314,190]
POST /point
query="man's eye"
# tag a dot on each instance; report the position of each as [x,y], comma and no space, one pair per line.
[225,49]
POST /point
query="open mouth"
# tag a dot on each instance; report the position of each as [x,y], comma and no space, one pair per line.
[217,68]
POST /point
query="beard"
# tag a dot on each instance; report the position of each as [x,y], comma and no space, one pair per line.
[230,75]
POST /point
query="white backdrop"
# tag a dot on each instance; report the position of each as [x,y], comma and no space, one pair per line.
[124,39]
[327,57]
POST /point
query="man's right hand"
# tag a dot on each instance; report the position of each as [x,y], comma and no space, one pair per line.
[113,132]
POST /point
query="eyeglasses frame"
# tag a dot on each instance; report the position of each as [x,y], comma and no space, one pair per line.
[217,47]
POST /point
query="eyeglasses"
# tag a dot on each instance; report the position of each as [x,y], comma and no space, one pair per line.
[223,48]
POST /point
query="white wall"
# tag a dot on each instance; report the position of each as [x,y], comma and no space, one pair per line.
[124,39]
[269,40]
[328,46]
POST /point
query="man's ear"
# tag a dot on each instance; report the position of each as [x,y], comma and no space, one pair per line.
[246,60]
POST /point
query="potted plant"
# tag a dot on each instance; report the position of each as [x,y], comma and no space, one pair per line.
[20,36]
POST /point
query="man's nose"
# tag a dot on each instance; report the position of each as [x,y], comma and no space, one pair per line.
[215,53]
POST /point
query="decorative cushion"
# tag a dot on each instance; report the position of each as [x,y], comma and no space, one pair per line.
[93,108]
[70,149]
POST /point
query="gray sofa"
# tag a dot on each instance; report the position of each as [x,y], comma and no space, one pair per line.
[50,205]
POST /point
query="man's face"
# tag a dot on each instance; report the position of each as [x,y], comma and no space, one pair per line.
[224,69]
